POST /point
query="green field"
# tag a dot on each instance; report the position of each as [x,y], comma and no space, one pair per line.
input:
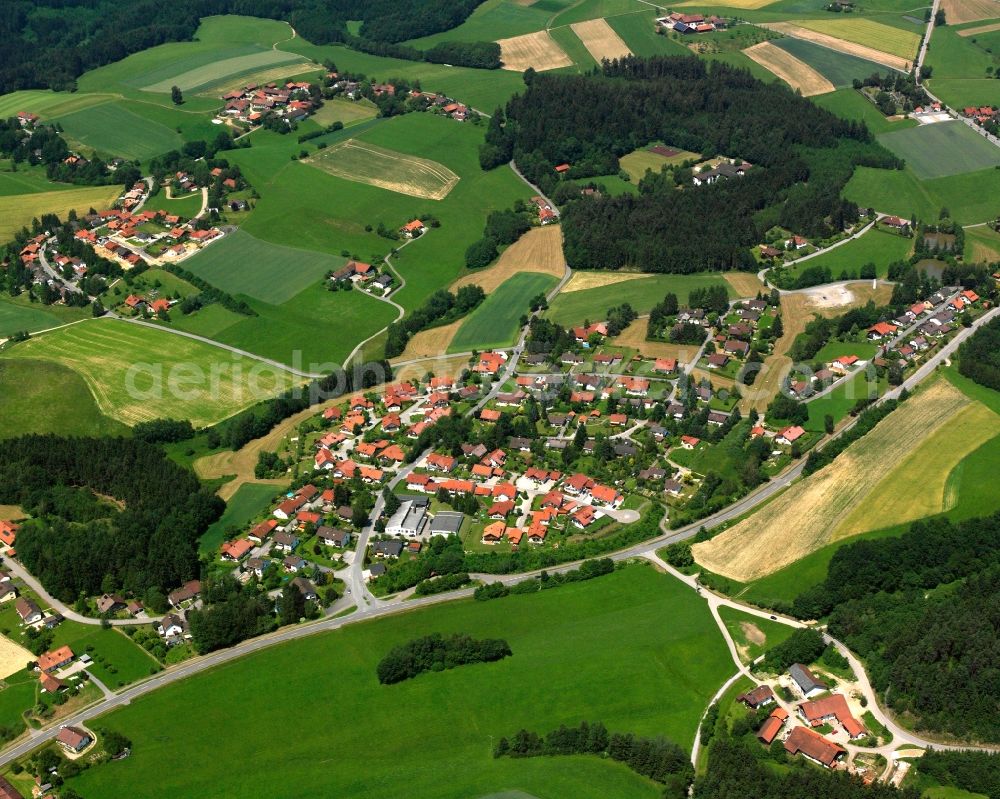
[117,660]
[960,66]
[208,74]
[48,104]
[17,210]
[637,31]
[19,313]
[248,501]
[495,323]
[113,129]
[969,197]
[839,402]
[186,205]
[26,180]
[572,308]
[592,9]
[637,162]
[850,104]
[571,44]
[838,68]
[28,392]
[835,349]
[242,264]
[889,39]
[138,373]
[942,149]
[416,731]
[497,19]
[880,247]
[344,111]
[747,632]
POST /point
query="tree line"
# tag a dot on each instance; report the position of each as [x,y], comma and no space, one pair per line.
[441,308]
[149,544]
[436,652]
[979,356]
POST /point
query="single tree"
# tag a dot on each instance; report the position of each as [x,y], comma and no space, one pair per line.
[175,95]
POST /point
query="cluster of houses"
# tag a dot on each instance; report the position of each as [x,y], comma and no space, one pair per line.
[691,23]
[982,115]
[435,101]
[546,213]
[725,170]
[365,276]
[290,102]
[151,236]
[735,333]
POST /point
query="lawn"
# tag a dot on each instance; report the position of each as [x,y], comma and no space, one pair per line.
[572,308]
[942,149]
[838,68]
[45,397]
[138,373]
[249,500]
[242,264]
[495,323]
[573,635]
[112,129]
[752,634]
[117,660]
[346,112]
[187,205]
[17,211]
[969,197]
[851,104]
[839,402]
[880,247]
[834,349]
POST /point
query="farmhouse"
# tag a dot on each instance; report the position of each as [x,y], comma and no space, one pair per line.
[55,660]
[880,330]
[757,697]
[772,726]
[73,739]
[8,532]
[833,707]
[805,680]
[186,593]
[814,746]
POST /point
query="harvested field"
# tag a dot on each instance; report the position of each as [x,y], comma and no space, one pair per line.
[600,40]
[428,343]
[537,50]
[805,517]
[361,162]
[653,158]
[796,310]
[581,281]
[984,243]
[12,657]
[717,380]
[993,26]
[797,74]
[286,71]
[445,366]
[634,337]
[17,210]
[747,5]
[893,500]
[958,11]
[745,284]
[538,250]
[867,33]
[840,45]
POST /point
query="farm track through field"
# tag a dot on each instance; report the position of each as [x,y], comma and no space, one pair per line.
[993,26]
[797,74]
[840,45]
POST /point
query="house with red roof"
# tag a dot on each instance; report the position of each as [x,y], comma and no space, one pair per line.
[881,330]
[690,442]
[803,741]
[236,550]
[8,532]
[790,435]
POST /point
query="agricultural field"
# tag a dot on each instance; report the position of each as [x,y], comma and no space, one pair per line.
[498,18]
[495,322]
[818,32]
[574,49]
[880,247]
[638,161]
[48,104]
[838,68]
[850,104]
[812,513]
[638,31]
[572,307]
[942,149]
[376,166]
[27,406]
[272,273]
[200,77]
[24,179]
[112,129]
[537,50]
[249,500]
[20,313]
[538,250]
[600,40]
[751,634]
[346,112]
[573,635]
[867,33]
[982,244]
[17,210]
[592,9]
[796,73]
[959,11]
[138,373]
[965,61]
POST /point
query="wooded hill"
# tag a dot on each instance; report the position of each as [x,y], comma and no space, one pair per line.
[802,157]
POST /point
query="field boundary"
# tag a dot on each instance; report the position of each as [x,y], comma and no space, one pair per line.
[993,26]
[840,45]
[793,71]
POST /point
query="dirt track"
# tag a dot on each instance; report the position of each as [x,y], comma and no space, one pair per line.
[537,50]
[840,45]
[797,74]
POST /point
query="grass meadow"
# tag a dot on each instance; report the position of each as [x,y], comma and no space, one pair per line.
[26,180]
[850,104]
[752,634]
[249,500]
[960,66]
[572,308]
[495,323]
[208,74]
[112,129]
[638,32]
[138,373]
[439,723]
[889,39]
[880,247]
[19,313]
[28,401]
[942,149]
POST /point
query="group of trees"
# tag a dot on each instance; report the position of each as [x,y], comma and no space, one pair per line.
[232,613]
[657,758]
[979,356]
[502,228]
[150,543]
[802,157]
[207,294]
[588,570]
[436,652]
[802,646]
[49,45]
[976,772]
[923,610]
[44,145]
[440,308]
[898,83]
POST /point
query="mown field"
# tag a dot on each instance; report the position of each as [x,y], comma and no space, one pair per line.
[498,19]
[249,500]
[44,397]
[942,149]
[19,313]
[637,162]
[138,373]
[495,322]
[17,210]
[208,74]
[838,68]
[876,246]
[752,634]
[112,129]
[242,264]
[866,32]
[23,179]
[964,66]
[850,104]
[573,307]
[676,660]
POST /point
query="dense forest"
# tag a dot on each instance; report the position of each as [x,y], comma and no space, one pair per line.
[923,610]
[979,357]
[801,155]
[50,43]
[976,772]
[110,514]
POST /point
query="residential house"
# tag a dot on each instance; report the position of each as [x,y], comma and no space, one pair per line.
[29,612]
[50,662]
[805,680]
[387,549]
[790,435]
[286,542]
[186,593]
[73,739]
[757,697]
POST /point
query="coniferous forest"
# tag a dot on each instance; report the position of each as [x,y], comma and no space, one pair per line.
[801,157]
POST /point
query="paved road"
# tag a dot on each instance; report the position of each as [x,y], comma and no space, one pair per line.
[51,271]
[400,311]
[552,205]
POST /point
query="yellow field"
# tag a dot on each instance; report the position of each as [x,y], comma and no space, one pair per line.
[538,250]
[747,5]
[867,33]
[17,210]
[806,517]
[797,74]
[12,657]
[279,73]
[600,40]
[581,281]
[984,243]
[958,11]
[893,499]
[429,343]
[638,161]
[345,111]
[634,337]
[387,169]
[880,53]
[745,284]
[537,50]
